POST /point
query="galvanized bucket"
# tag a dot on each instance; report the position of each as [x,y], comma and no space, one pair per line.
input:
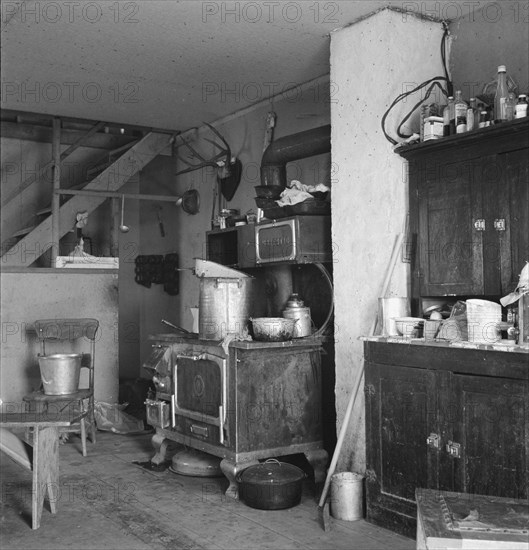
[60,373]
[347,492]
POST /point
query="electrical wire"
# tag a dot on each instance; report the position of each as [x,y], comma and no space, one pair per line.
[433,83]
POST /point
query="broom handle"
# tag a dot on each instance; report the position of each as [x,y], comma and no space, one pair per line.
[352,399]
[393,260]
[341,437]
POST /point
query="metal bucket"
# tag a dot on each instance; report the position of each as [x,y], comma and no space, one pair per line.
[347,496]
[226,305]
[60,373]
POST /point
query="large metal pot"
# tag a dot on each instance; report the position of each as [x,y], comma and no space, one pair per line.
[227,301]
[271,485]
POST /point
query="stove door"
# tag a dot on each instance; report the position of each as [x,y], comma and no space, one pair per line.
[199,396]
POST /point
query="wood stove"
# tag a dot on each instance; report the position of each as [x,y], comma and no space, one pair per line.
[243,402]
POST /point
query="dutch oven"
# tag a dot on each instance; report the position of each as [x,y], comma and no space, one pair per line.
[271,485]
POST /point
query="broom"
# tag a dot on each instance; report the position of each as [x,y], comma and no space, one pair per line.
[323,505]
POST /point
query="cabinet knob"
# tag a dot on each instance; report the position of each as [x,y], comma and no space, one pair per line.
[479,224]
[453,449]
[433,440]
[499,224]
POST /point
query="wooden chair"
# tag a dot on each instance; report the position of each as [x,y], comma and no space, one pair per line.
[70,330]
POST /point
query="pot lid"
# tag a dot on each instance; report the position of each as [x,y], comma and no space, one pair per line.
[295,301]
[272,471]
[191,462]
[206,268]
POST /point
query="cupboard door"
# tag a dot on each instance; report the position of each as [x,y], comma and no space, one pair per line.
[491,430]
[450,231]
[401,412]
[514,196]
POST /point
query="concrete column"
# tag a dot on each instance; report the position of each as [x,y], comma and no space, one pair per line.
[372,62]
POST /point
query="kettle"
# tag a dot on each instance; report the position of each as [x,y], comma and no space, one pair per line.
[296,310]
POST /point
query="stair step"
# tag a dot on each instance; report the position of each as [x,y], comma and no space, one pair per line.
[96,170]
[123,148]
[43,211]
[24,231]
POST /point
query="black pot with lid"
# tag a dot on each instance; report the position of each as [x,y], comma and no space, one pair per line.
[271,485]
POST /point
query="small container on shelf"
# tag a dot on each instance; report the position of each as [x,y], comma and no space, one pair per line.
[521,106]
[433,128]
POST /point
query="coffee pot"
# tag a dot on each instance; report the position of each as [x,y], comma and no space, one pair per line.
[295,309]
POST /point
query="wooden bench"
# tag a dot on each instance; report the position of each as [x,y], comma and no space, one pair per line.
[41,457]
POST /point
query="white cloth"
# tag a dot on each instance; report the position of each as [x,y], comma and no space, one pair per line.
[298,192]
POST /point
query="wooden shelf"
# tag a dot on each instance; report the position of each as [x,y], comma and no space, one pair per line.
[519,126]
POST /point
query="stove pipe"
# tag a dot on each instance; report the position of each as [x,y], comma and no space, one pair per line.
[290,148]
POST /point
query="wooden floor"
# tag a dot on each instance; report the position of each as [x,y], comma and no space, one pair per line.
[107,502]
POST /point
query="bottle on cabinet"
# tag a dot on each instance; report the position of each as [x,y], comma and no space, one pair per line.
[472,115]
[449,117]
[460,108]
[501,97]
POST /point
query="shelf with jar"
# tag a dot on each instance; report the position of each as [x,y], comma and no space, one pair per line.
[498,103]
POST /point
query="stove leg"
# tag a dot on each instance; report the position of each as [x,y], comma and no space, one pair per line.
[230,469]
[318,459]
[160,444]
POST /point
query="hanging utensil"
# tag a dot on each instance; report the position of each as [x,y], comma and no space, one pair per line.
[160,221]
[190,201]
[123,228]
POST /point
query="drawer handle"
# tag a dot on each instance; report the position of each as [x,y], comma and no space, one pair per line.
[479,225]
[499,224]
[198,430]
[453,449]
[433,440]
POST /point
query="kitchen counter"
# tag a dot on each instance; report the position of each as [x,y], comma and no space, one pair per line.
[463,357]
[499,346]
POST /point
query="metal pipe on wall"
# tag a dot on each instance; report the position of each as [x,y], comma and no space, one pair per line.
[289,148]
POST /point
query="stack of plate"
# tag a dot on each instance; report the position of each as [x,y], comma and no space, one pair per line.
[483,318]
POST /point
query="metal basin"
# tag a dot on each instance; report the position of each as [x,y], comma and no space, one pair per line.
[273,329]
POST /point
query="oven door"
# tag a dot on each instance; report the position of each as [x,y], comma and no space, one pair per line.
[199,396]
[276,242]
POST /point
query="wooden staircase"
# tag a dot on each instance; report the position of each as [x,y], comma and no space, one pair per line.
[35,241]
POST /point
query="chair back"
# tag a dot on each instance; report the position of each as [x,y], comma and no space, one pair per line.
[66,329]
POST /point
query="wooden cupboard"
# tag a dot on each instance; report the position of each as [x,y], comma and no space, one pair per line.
[444,418]
[469,211]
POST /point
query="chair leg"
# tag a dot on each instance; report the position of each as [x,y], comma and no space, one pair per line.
[92,419]
[83,436]
[93,437]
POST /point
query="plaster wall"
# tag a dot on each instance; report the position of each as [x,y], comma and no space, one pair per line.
[496,34]
[369,68]
[51,293]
